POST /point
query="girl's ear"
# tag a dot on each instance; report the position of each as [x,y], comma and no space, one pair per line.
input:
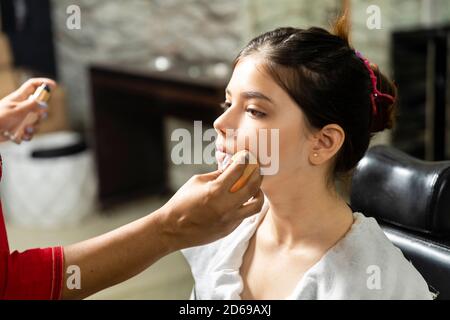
[326,144]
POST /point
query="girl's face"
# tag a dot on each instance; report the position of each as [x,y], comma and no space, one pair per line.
[254,102]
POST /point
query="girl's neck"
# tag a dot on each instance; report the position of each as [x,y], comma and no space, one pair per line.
[304,212]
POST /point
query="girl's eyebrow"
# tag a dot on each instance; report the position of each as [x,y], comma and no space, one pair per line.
[252,95]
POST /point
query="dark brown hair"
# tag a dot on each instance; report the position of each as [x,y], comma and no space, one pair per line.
[323,75]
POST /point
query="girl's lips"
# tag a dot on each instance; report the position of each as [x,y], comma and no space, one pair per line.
[220,147]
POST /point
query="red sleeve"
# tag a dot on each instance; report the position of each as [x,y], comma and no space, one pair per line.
[33,274]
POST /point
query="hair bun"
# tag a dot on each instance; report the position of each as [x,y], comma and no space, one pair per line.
[386,108]
[385,116]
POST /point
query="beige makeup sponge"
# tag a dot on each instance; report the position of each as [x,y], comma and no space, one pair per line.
[252,164]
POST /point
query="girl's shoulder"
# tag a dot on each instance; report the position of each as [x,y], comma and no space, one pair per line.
[366,265]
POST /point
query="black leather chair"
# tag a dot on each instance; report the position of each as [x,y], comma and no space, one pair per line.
[410,199]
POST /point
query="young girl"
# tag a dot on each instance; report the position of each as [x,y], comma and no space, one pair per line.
[327,101]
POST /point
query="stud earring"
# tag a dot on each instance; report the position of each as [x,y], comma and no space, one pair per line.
[315,155]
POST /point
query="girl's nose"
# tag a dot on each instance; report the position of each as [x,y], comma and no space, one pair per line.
[228,120]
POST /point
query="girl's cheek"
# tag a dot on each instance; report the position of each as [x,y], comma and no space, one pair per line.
[260,142]
[292,149]
[246,138]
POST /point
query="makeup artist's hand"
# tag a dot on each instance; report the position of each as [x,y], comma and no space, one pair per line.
[15,107]
[203,210]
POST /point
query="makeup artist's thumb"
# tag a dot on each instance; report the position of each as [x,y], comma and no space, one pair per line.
[210,176]
[26,106]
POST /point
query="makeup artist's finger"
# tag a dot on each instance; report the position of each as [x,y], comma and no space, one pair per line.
[29,87]
[229,177]
[226,165]
[43,114]
[29,130]
[210,175]
[27,137]
[24,107]
[252,207]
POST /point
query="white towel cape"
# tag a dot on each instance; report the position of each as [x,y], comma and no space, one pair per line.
[364,264]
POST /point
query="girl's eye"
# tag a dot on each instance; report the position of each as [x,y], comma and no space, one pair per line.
[255,113]
[225,105]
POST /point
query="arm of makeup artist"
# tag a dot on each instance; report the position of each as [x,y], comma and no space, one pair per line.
[203,210]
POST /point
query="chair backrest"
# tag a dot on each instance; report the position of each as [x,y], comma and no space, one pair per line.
[410,198]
